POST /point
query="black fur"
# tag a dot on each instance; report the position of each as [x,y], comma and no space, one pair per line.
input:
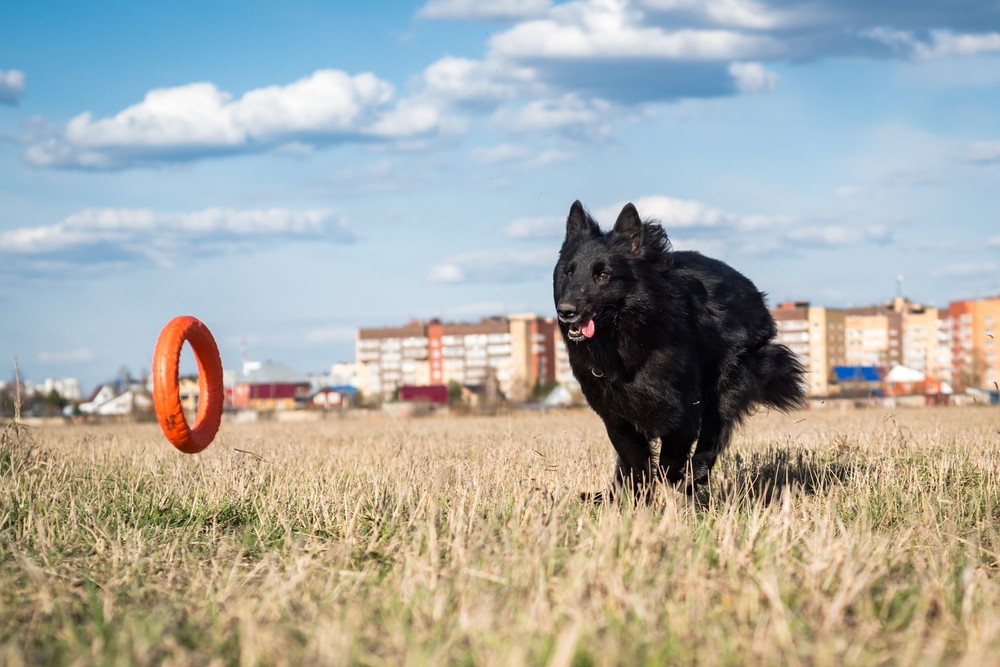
[682,347]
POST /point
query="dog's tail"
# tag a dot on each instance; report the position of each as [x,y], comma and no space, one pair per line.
[787,383]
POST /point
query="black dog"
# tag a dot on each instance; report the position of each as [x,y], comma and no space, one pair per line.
[665,344]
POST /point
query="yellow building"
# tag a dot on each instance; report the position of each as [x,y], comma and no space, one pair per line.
[872,337]
[898,332]
[975,323]
[920,340]
[188,390]
[517,350]
[816,335]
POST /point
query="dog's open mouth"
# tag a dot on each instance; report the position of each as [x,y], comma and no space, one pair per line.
[582,329]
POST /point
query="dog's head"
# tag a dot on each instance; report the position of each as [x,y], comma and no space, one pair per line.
[598,273]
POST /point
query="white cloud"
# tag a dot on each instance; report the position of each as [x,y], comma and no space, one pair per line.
[942,43]
[784,236]
[555,68]
[945,43]
[69,356]
[695,225]
[551,156]
[837,235]
[556,113]
[995,241]
[763,245]
[477,81]
[983,151]
[482,308]
[847,191]
[198,118]
[541,227]
[968,270]
[446,273]
[739,13]
[116,236]
[898,40]
[753,78]
[495,266]
[483,9]
[670,212]
[11,86]
[335,334]
[614,29]
[524,76]
[710,247]
[501,153]
[752,223]
[573,67]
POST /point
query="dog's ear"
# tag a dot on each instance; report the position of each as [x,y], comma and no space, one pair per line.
[579,224]
[629,226]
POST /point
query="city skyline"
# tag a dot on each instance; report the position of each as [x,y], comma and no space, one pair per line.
[954,345]
[290,174]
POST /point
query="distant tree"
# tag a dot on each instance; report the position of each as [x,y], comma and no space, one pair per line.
[54,400]
[6,401]
[395,393]
[541,390]
[454,393]
[124,379]
[973,374]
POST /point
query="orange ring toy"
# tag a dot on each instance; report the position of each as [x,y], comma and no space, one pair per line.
[166,392]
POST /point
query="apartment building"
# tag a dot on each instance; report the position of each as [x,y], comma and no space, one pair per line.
[873,336]
[67,388]
[816,335]
[564,373]
[392,356]
[533,353]
[263,386]
[517,350]
[973,343]
[469,352]
[900,332]
[919,335]
[940,365]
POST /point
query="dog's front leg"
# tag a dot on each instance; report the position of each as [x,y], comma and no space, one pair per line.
[633,472]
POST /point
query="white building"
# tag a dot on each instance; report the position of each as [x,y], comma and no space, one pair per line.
[102,396]
[518,350]
[67,388]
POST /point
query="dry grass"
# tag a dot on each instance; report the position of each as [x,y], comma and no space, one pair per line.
[827,539]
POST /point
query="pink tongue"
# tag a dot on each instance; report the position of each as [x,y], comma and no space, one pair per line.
[588,328]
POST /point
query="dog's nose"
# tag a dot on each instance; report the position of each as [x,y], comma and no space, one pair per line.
[567,311]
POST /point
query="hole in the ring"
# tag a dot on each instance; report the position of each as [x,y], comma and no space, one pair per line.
[187,381]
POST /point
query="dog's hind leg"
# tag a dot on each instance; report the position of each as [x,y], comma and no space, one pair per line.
[716,432]
[675,449]
[633,472]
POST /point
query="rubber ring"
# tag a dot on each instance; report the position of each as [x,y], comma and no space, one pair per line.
[166,391]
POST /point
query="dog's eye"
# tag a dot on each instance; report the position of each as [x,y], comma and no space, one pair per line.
[569,273]
[603,275]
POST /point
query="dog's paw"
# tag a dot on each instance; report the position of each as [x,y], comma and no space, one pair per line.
[701,468]
[596,497]
[673,472]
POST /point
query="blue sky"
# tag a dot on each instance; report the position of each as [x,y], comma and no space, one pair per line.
[289,172]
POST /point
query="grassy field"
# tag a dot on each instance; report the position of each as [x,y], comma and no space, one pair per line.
[860,538]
